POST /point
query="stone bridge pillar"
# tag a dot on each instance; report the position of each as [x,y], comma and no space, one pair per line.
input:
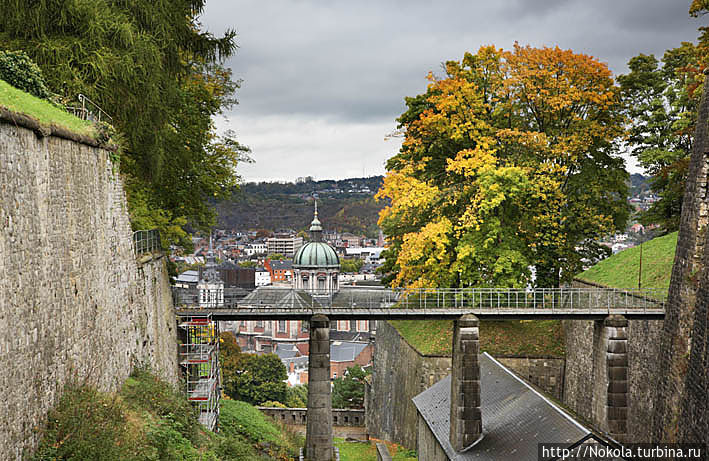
[465,418]
[616,335]
[318,435]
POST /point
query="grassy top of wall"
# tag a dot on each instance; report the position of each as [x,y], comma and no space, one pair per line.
[19,102]
[497,337]
[621,270]
[150,420]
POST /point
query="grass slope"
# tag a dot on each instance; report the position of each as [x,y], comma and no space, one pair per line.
[621,269]
[358,451]
[46,113]
[150,420]
[505,337]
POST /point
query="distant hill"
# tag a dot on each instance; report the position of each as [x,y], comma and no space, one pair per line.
[639,185]
[621,269]
[346,205]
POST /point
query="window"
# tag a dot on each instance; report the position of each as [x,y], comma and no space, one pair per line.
[281,326]
[259,324]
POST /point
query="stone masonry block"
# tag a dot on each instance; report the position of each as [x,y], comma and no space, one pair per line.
[471,372]
[319,347]
[618,321]
[617,333]
[617,413]
[618,373]
[617,400]
[617,360]
[618,346]
[617,427]
[618,387]
[319,321]
[319,374]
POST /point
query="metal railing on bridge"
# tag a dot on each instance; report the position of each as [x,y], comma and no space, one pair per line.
[567,298]
[146,241]
[445,301]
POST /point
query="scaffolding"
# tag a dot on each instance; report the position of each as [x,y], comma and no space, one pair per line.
[199,357]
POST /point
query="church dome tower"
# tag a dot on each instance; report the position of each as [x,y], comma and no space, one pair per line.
[316,265]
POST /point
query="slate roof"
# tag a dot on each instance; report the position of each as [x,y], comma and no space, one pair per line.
[279,297]
[286,351]
[228,265]
[515,417]
[286,297]
[188,277]
[281,264]
[344,351]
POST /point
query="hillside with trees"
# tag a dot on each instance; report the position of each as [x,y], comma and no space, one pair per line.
[344,205]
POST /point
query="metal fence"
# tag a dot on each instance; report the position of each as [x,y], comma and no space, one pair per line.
[89,110]
[146,241]
[491,300]
[567,298]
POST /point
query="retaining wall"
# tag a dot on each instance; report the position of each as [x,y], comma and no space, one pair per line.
[74,303]
[585,387]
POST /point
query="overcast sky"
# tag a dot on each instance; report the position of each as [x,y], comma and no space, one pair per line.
[324,81]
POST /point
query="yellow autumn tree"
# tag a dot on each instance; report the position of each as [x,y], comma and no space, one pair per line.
[509,163]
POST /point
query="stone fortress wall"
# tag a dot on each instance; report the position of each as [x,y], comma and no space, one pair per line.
[401,373]
[74,303]
[585,387]
[668,361]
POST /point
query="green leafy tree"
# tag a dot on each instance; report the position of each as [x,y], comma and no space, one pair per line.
[351,265]
[348,390]
[255,378]
[247,264]
[276,256]
[662,114]
[510,161]
[297,396]
[150,66]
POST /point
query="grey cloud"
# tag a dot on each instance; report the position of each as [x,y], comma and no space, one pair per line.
[355,61]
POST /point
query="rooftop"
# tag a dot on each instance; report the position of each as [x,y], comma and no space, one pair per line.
[345,351]
[515,417]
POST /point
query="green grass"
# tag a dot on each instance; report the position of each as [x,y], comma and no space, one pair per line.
[151,420]
[505,337]
[621,269]
[46,113]
[358,451]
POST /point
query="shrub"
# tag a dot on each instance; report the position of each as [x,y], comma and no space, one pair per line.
[145,391]
[17,69]
[297,396]
[86,425]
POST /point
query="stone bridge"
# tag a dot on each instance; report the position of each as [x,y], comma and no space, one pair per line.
[465,306]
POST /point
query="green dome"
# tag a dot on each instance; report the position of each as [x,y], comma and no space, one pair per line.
[316,254]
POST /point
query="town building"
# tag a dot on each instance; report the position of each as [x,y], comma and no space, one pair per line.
[316,265]
[210,287]
[312,275]
[262,277]
[284,244]
[280,270]
[346,354]
[234,275]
